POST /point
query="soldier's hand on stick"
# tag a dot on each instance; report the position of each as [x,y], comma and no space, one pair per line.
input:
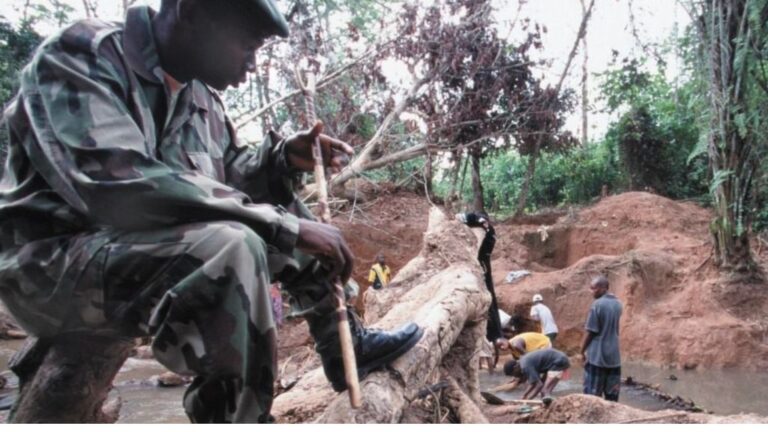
[326,243]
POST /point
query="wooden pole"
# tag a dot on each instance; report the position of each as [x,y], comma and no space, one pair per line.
[345,335]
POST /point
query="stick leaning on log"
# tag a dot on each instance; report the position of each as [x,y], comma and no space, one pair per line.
[345,336]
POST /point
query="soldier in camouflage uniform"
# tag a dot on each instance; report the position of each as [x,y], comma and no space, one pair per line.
[128,207]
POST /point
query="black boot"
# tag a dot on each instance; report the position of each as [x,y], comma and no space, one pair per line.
[373,349]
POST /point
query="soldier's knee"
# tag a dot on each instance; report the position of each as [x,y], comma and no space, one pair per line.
[232,237]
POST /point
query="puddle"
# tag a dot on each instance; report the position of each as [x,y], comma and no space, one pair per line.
[723,392]
[142,402]
[629,395]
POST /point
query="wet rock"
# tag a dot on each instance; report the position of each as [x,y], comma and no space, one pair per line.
[143,352]
[15,334]
[171,379]
[7,400]
[673,377]
[3,382]
[11,380]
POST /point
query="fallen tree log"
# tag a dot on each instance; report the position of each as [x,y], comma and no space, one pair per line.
[67,379]
[441,290]
[465,409]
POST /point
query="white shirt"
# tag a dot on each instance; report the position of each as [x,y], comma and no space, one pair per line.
[541,313]
[504,318]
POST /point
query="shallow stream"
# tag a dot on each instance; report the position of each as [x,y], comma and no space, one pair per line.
[721,391]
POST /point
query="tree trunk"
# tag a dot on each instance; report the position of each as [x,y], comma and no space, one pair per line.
[477,185]
[466,409]
[584,82]
[529,173]
[66,379]
[586,15]
[365,156]
[726,31]
[442,291]
[428,175]
[452,197]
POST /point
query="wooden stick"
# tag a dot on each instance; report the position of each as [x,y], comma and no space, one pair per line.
[514,409]
[654,418]
[525,401]
[345,335]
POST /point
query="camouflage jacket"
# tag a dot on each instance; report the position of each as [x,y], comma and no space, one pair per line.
[92,148]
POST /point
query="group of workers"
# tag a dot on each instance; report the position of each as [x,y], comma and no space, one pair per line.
[536,362]
[534,359]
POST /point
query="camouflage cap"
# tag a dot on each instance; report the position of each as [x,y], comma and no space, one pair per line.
[266,10]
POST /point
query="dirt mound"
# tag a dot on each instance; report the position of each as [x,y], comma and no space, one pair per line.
[590,409]
[657,255]
[392,223]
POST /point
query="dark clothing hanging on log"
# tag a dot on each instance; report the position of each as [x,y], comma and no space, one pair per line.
[478,220]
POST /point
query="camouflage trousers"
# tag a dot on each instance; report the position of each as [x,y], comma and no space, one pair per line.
[202,291]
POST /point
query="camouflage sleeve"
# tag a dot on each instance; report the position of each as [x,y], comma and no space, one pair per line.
[261,171]
[93,153]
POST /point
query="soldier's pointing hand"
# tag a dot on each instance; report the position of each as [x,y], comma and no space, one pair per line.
[298,148]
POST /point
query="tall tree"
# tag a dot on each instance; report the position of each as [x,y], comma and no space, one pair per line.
[584,82]
[538,144]
[733,40]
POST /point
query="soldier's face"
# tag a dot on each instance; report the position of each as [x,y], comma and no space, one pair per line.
[227,50]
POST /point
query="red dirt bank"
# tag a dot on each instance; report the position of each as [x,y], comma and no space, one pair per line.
[656,254]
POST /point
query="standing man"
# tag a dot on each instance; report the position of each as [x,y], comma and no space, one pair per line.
[128,207]
[600,348]
[380,273]
[481,220]
[541,313]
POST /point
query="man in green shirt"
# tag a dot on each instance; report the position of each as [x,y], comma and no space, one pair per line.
[128,206]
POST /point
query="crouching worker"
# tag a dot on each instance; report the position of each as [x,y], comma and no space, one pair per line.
[524,343]
[541,369]
[128,207]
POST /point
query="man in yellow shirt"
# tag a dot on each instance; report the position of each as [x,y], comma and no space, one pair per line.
[524,343]
[380,274]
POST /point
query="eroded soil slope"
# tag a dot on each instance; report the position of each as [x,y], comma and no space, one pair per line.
[678,310]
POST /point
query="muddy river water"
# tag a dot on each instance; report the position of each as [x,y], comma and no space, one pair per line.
[721,391]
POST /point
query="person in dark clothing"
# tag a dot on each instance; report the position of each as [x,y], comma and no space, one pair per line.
[481,220]
[549,364]
[600,347]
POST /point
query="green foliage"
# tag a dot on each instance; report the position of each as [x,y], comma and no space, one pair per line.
[659,138]
[663,121]
[574,176]
[643,150]
[16,45]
